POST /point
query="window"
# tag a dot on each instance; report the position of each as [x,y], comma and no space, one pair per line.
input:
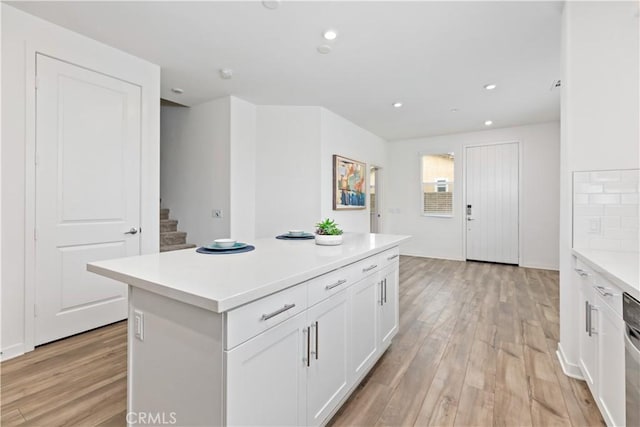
[437,184]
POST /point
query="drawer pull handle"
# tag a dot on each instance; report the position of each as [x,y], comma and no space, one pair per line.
[605,292]
[335,285]
[364,270]
[279,311]
[392,257]
[581,272]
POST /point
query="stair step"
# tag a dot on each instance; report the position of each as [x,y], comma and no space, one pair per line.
[173,238]
[168,248]
[167,225]
[164,213]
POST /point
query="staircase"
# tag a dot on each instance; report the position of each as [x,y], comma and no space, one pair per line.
[170,238]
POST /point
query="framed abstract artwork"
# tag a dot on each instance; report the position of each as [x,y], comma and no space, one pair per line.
[349,189]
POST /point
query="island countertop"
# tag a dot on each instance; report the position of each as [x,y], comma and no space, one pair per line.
[223,282]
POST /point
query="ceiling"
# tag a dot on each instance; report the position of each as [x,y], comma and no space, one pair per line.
[431,56]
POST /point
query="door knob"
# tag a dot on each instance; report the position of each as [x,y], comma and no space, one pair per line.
[133,230]
[470,219]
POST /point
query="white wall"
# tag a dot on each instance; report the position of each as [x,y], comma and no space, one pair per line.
[443,237]
[287,169]
[195,168]
[242,212]
[600,120]
[23,35]
[340,136]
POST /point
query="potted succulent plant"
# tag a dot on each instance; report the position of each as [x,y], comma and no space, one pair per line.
[328,233]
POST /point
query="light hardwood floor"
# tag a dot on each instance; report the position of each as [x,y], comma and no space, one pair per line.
[476,347]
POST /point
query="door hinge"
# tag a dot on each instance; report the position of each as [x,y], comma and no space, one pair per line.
[37,82]
[36,159]
[35,310]
[35,234]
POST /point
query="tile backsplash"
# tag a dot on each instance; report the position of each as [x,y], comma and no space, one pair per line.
[605,210]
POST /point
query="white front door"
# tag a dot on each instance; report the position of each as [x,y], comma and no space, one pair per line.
[87,195]
[491,207]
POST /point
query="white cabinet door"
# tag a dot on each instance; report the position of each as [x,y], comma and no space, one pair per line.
[87,195]
[328,373]
[388,319]
[588,340]
[365,305]
[611,381]
[267,377]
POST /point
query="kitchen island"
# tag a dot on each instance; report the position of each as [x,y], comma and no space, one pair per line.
[277,336]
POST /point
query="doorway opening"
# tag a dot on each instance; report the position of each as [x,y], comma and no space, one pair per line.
[492,186]
[374,199]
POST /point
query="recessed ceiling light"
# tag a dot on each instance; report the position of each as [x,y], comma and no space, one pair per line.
[397,104]
[226,73]
[324,49]
[271,4]
[490,86]
[177,90]
[488,123]
[454,110]
[330,35]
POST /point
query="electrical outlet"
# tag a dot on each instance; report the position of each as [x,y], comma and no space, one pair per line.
[138,324]
[594,226]
[217,213]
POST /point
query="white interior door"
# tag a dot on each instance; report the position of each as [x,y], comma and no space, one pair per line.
[492,187]
[87,195]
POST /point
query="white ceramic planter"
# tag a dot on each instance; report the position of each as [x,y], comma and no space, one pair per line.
[328,240]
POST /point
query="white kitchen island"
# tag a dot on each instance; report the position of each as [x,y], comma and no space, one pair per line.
[277,336]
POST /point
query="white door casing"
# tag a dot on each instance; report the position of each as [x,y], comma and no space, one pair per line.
[492,203]
[88,141]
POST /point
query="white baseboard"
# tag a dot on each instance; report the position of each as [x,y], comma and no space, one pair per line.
[541,267]
[12,351]
[569,369]
[405,253]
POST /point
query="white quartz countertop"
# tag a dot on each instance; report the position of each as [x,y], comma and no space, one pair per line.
[621,268]
[222,282]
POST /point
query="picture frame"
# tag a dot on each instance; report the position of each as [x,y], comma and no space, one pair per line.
[349,184]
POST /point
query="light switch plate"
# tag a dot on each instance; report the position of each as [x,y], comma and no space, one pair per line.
[138,324]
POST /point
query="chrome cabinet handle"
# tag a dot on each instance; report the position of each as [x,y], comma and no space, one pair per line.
[385,290]
[587,311]
[371,267]
[392,257]
[132,230]
[605,291]
[581,272]
[316,352]
[335,285]
[307,330]
[279,311]
[592,309]
[381,293]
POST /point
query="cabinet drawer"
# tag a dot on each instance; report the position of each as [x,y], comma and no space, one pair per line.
[251,319]
[367,266]
[608,293]
[389,257]
[328,284]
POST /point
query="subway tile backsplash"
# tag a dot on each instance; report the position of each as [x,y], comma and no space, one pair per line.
[605,210]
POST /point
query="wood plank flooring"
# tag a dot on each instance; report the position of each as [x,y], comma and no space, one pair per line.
[476,347]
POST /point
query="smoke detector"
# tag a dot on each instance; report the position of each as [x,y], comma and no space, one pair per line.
[226,73]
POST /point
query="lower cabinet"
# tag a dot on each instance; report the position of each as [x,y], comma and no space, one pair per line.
[611,385]
[327,368]
[601,343]
[389,314]
[300,371]
[267,377]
